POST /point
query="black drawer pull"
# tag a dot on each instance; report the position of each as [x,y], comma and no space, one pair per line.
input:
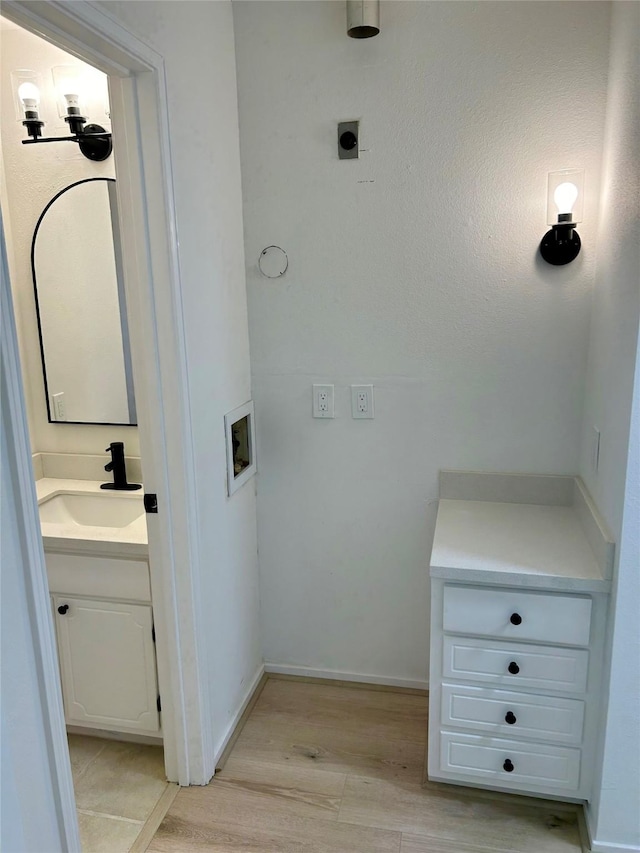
[508,766]
[513,668]
[510,718]
[516,619]
[63,609]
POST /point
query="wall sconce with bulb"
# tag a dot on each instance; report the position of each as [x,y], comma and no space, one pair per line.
[565,201]
[93,140]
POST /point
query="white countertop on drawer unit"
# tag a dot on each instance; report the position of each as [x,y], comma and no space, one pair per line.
[514,544]
[129,541]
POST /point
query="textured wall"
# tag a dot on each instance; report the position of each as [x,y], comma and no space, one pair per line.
[79,306]
[31,819]
[196,41]
[413,268]
[613,359]
[32,177]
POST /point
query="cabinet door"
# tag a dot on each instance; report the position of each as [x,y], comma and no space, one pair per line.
[107,664]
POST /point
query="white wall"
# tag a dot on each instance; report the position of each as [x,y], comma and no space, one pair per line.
[80,306]
[33,176]
[613,359]
[27,774]
[413,268]
[31,819]
[196,41]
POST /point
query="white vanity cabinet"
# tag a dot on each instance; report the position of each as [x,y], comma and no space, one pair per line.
[514,688]
[106,644]
[516,650]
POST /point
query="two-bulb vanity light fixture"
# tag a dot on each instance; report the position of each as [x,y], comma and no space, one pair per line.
[565,201]
[93,140]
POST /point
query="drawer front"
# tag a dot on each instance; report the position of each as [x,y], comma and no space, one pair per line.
[517,615]
[532,765]
[98,577]
[508,714]
[538,667]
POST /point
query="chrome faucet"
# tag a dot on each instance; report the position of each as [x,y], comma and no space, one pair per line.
[117,465]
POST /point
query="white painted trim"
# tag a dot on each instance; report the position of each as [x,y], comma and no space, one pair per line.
[147,210]
[338,675]
[39,610]
[595,846]
[255,681]
[603,847]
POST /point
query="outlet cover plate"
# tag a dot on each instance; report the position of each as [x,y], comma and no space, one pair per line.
[323,401]
[362,401]
[59,409]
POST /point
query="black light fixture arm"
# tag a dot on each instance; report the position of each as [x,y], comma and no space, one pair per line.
[95,142]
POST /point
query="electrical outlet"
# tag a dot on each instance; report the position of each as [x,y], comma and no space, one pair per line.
[595,449]
[59,413]
[362,401]
[323,401]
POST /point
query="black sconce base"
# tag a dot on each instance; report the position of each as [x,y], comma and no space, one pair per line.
[95,147]
[561,244]
[124,487]
[34,127]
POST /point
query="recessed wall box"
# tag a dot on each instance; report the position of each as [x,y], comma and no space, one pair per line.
[348,148]
[241,446]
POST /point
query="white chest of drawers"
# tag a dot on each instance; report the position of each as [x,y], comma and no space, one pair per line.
[515,663]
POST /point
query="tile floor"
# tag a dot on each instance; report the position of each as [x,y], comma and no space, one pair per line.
[117,786]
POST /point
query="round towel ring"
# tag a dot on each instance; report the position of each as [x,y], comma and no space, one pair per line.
[273,262]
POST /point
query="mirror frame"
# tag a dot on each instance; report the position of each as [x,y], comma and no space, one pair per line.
[123,313]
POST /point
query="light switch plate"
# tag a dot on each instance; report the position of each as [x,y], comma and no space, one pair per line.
[362,401]
[323,401]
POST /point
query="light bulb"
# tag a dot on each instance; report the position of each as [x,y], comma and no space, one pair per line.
[70,87]
[565,197]
[29,95]
[72,101]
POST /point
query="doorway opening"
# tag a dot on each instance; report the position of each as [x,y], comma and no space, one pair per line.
[60,216]
[153,296]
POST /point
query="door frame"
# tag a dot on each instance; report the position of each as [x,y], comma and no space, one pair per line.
[138,94]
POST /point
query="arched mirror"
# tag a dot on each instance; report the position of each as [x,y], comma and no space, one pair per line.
[80,302]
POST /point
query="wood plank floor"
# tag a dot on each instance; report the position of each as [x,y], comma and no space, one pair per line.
[327,769]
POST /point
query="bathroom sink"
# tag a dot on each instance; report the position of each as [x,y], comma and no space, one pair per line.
[91,510]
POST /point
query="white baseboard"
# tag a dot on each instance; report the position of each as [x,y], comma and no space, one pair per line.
[595,846]
[338,675]
[123,737]
[255,681]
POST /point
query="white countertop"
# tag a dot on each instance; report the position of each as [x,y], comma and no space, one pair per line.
[516,545]
[127,541]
